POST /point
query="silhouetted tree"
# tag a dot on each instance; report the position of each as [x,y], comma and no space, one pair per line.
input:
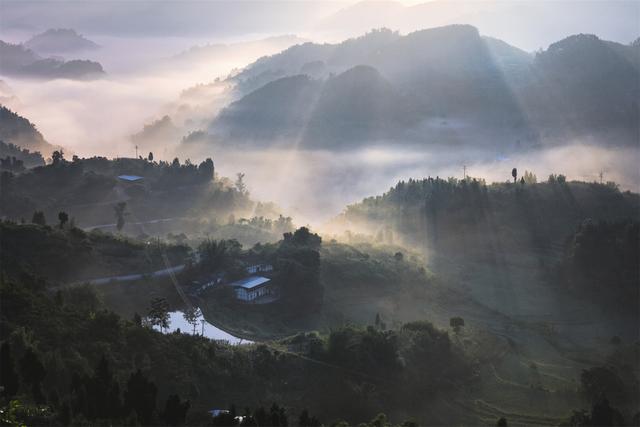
[119,210]
[159,313]
[206,170]
[63,217]
[191,315]
[456,323]
[38,218]
[32,372]
[150,156]
[103,393]
[8,375]
[57,157]
[239,184]
[175,411]
[514,174]
[502,422]
[137,320]
[307,421]
[140,396]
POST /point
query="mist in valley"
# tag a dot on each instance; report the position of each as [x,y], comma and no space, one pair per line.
[422,209]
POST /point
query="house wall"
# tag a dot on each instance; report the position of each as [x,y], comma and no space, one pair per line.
[250,295]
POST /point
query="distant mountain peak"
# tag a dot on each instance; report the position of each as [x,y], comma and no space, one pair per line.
[60,40]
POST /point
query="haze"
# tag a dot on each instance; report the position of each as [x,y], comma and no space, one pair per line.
[144,75]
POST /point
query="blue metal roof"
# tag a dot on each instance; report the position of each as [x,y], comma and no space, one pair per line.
[130,177]
[250,282]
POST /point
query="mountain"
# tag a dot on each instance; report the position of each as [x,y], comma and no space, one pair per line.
[517,22]
[22,62]
[585,82]
[279,109]
[17,130]
[358,105]
[312,57]
[438,84]
[58,41]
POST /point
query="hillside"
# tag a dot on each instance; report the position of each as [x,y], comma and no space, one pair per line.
[279,109]
[17,130]
[110,354]
[452,81]
[59,41]
[19,61]
[71,255]
[161,197]
[17,159]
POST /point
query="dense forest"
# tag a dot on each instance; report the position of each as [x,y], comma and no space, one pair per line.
[83,187]
[120,371]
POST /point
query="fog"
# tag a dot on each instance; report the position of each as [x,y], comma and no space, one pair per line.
[145,76]
[314,186]
[144,81]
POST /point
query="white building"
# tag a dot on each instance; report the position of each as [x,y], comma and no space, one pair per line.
[259,268]
[252,287]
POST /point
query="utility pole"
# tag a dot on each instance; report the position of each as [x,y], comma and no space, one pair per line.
[464,171]
[136,151]
[202,326]
[601,175]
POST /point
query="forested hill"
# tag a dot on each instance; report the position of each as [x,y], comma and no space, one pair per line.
[453,76]
[17,130]
[471,217]
[89,189]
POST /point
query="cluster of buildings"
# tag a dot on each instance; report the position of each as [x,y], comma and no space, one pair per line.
[256,287]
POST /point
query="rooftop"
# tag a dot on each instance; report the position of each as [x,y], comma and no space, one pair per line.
[251,282]
[130,177]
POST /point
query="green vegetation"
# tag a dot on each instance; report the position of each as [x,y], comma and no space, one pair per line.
[16,159]
[17,131]
[66,255]
[114,371]
[84,187]
[602,260]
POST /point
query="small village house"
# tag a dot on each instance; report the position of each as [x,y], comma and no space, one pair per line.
[251,288]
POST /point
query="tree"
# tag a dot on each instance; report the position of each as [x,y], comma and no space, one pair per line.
[530,177]
[137,320]
[175,411]
[63,217]
[119,210]
[150,156]
[38,218]
[159,313]
[140,396]
[32,372]
[103,393]
[514,174]
[456,323]
[206,170]
[239,184]
[502,422]
[8,375]
[191,315]
[57,157]
[307,421]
